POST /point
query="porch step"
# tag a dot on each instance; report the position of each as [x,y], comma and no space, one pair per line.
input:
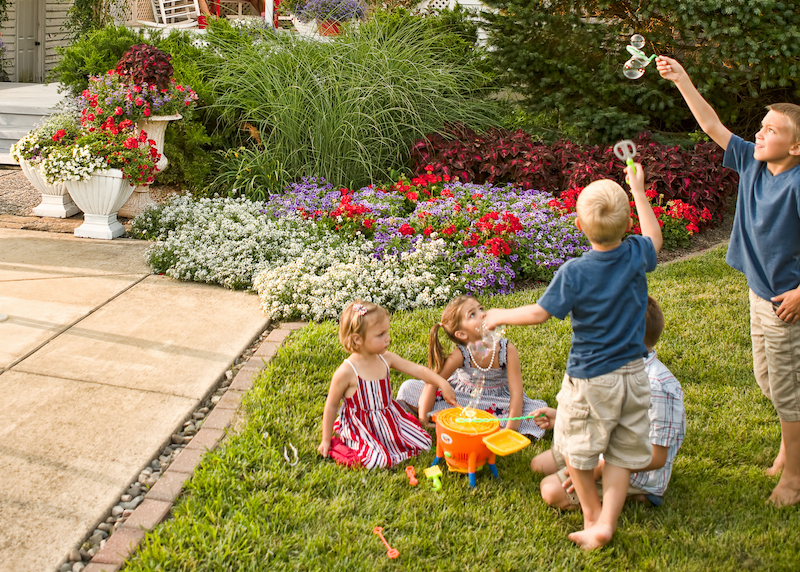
[23,106]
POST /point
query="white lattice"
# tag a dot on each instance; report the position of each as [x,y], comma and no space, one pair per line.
[143,10]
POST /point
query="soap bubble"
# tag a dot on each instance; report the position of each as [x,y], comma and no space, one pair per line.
[637,41]
[634,68]
[491,337]
[480,349]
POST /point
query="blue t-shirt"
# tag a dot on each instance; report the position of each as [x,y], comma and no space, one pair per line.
[765,239]
[605,294]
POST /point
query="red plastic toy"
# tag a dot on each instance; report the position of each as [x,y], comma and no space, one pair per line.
[412,476]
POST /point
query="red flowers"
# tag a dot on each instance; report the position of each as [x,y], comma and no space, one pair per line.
[407,230]
[58,135]
[497,247]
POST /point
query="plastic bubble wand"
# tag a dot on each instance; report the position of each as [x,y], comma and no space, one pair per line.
[625,150]
[481,420]
[634,67]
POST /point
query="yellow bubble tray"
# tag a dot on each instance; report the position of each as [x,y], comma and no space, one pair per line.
[505,442]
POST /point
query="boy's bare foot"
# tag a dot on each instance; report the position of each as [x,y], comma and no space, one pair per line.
[591,538]
[783,495]
[777,466]
[780,461]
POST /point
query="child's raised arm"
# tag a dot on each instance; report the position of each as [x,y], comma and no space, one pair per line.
[515,389]
[342,379]
[522,316]
[647,219]
[418,371]
[708,119]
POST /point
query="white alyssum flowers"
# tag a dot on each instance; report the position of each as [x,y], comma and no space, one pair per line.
[71,164]
[321,282]
[220,241]
[299,270]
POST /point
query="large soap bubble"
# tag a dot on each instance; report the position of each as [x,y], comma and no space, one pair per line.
[634,67]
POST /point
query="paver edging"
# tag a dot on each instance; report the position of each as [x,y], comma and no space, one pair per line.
[153,509]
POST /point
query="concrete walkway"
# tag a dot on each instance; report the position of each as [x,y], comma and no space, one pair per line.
[100,363]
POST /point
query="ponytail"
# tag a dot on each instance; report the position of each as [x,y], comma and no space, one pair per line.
[435,350]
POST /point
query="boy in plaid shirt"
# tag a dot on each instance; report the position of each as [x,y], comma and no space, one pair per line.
[667,429]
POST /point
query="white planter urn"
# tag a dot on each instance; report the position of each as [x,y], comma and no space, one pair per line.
[56,201]
[100,198]
[156,128]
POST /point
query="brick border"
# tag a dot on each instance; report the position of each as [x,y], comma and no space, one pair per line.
[158,501]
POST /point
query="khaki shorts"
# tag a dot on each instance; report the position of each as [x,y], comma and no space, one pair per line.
[605,414]
[776,357]
[573,496]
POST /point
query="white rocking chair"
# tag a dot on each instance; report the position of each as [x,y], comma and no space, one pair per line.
[173,14]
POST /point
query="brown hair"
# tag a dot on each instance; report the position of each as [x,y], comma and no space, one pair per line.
[450,323]
[355,319]
[653,323]
[792,113]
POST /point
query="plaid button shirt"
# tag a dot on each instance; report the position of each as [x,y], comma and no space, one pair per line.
[667,423]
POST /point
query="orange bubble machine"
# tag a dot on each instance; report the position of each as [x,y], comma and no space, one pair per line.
[461,443]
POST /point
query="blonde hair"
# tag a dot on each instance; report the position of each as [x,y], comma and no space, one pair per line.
[653,323]
[450,323]
[792,113]
[604,211]
[356,318]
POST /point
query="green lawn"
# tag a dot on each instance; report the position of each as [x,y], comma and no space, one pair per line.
[247,509]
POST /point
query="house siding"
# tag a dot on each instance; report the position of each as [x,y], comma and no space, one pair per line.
[55,36]
[8,32]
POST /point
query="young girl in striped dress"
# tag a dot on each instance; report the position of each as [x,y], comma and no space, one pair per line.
[373,430]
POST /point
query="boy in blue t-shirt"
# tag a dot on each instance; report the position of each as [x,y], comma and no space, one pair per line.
[605,396]
[765,246]
[667,430]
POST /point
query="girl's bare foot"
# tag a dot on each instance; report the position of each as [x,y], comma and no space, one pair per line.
[592,538]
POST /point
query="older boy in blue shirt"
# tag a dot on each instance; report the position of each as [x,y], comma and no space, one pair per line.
[765,246]
[605,395]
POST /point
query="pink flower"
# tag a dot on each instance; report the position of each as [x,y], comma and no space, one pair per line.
[138,101]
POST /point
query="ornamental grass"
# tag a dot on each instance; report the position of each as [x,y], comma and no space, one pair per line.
[346,109]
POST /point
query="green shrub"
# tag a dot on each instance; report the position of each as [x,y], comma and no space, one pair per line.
[94,53]
[347,109]
[568,56]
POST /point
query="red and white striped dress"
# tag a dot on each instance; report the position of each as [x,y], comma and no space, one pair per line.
[374,425]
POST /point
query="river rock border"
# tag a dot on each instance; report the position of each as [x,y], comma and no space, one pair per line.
[149,499]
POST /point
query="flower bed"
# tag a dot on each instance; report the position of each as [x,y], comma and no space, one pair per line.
[405,245]
[496,234]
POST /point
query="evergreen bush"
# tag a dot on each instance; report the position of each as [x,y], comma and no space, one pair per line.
[568,56]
